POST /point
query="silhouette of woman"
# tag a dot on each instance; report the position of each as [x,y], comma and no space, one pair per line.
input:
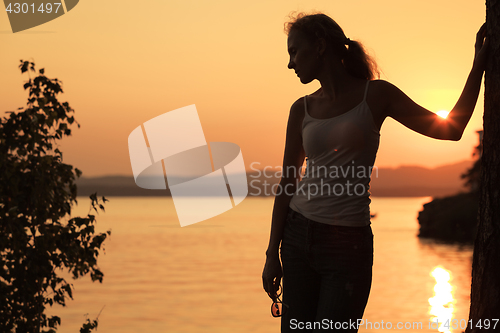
[322,222]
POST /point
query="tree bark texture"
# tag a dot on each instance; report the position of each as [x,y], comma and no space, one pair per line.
[485,292]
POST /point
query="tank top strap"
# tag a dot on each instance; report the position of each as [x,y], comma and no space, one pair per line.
[306,113]
[366,90]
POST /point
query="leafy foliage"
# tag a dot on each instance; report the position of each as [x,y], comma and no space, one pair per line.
[37,191]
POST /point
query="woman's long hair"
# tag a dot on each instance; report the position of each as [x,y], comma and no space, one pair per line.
[354,57]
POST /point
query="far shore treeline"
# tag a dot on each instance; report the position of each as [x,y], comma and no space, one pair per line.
[404,181]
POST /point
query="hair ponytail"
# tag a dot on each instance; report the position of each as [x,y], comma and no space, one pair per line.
[354,57]
[358,63]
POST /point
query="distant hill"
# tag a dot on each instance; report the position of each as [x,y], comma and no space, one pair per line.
[119,186]
[403,181]
[410,181]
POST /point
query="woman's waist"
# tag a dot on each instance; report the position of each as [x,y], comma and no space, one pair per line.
[333,187]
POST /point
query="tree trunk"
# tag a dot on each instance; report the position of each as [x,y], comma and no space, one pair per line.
[485,293]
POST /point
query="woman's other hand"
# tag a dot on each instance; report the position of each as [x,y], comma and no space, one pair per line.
[271,276]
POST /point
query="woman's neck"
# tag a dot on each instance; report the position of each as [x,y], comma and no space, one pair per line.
[336,81]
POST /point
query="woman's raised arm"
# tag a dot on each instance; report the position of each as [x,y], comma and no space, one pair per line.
[407,112]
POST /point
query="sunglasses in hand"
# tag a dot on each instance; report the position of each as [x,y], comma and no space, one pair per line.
[278,308]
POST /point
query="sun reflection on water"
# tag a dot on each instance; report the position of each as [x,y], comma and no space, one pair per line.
[442,304]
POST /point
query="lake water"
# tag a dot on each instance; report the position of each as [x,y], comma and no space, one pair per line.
[206,277]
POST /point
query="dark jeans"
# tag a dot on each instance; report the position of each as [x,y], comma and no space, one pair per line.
[327,274]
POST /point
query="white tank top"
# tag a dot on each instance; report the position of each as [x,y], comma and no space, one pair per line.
[340,154]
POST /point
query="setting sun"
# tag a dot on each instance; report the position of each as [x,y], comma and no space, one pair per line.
[443,113]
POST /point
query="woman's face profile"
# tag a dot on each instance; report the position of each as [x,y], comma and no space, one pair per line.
[303,56]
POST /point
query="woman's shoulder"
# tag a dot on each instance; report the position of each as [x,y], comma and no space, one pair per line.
[381,92]
[380,84]
[382,87]
[299,105]
[297,113]
[378,99]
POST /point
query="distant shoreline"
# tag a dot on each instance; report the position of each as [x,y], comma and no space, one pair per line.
[403,181]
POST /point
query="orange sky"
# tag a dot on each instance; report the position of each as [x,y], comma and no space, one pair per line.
[125,62]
